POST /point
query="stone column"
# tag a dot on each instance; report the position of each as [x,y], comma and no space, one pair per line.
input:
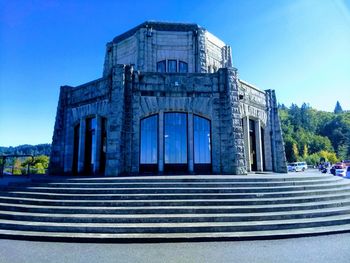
[161,142]
[98,134]
[81,153]
[69,145]
[259,155]
[115,142]
[190,143]
[279,161]
[247,141]
[267,147]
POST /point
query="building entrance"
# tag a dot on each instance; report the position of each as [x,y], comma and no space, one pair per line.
[175,142]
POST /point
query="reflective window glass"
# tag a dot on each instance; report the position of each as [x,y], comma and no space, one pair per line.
[175,138]
[149,140]
[161,66]
[202,151]
[183,67]
[172,65]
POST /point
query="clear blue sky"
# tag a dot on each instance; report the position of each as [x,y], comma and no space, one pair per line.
[300,48]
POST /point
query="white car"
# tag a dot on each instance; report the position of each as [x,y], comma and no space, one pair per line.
[340,172]
[297,167]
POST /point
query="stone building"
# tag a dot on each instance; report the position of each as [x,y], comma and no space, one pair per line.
[169,101]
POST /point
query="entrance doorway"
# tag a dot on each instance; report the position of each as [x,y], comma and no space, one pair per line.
[252,146]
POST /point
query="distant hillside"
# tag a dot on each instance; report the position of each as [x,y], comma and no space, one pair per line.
[40,149]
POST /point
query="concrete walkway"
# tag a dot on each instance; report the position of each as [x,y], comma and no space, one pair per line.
[332,248]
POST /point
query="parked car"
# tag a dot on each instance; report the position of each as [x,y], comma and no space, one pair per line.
[346,162]
[348,172]
[340,172]
[337,166]
[290,167]
[303,165]
[297,167]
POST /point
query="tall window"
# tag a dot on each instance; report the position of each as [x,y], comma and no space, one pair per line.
[183,67]
[175,138]
[161,66]
[172,66]
[202,151]
[149,140]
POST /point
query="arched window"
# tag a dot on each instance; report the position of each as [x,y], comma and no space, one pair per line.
[172,66]
[161,66]
[202,140]
[149,144]
[183,67]
[175,141]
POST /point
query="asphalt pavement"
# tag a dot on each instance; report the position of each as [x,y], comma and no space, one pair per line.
[331,248]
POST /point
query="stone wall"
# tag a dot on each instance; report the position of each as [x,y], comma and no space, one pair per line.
[126,94]
[58,138]
[150,43]
[76,103]
[252,102]
[213,96]
[279,161]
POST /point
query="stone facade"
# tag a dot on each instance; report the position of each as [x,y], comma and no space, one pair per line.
[134,87]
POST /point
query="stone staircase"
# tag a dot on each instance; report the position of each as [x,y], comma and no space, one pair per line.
[175,208]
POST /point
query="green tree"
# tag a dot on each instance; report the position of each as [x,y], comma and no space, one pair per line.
[305,151]
[17,167]
[307,128]
[295,152]
[338,109]
[39,164]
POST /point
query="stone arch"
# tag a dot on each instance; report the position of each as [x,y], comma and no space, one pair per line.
[153,105]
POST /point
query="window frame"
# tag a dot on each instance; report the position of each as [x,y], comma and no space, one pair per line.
[184,63]
[164,62]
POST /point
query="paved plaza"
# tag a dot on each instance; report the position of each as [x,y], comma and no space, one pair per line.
[332,248]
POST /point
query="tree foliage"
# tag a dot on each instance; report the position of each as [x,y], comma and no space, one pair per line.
[40,149]
[39,164]
[310,134]
[338,108]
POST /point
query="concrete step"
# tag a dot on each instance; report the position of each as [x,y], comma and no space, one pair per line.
[175,208]
[173,237]
[174,202]
[173,196]
[188,178]
[171,218]
[150,190]
[172,209]
[193,184]
[197,227]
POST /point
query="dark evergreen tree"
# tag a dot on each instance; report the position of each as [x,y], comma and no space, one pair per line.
[338,109]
